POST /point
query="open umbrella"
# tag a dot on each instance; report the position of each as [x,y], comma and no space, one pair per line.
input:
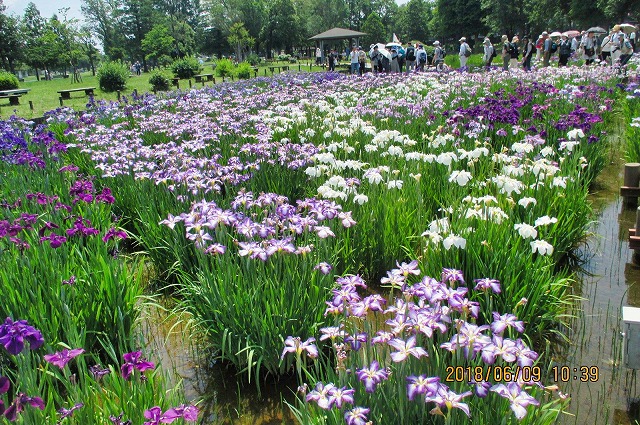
[381,49]
[597,30]
[571,33]
[555,34]
[393,44]
[628,28]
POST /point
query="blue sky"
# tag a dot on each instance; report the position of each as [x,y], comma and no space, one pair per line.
[46,7]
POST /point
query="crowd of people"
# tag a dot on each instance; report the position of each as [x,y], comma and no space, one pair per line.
[614,48]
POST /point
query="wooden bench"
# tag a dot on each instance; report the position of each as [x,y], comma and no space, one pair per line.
[279,68]
[200,78]
[13,95]
[66,94]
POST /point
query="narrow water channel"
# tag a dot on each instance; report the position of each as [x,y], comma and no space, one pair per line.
[609,281]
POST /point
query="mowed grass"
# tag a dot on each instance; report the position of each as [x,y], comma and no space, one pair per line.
[45,97]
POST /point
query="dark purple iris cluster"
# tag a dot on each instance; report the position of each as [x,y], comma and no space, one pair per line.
[580,118]
[51,227]
[22,145]
[262,225]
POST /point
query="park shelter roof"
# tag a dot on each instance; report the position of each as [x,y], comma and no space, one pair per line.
[337,33]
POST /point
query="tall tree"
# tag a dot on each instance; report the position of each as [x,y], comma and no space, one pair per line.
[376,32]
[458,18]
[240,39]
[11,45]
[137,18]
[282,27]
[414,19]
[504,16]
[104,18]
[33,28]
[157,43]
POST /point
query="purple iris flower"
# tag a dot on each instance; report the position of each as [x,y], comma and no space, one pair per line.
[19,404]
[134,361]
[325,268]
[295,345]
[372,376]
[357,340]
[405,349]
[117,420]
[65,413]
[340,396]
[63,357]
[445,397]
[486,284]
[502,322]
[112,233]
[188,413]
[518,398]
[98,371]
[422,385]
[356,416]
[71,281]
[13,334]
[105,196]
[321,395]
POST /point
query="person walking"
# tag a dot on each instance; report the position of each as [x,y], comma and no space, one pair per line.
[564,51]
[438,56]
[410,58]
[401,57]
[421,57]
[489,53]
[318,56]
[539,47]
[514,52]
[527,53]
[464,53]
[550,48]
[333,56]
[362,60]
[588,45]
[374,55]
[354,61]
[505,55]
[617,37]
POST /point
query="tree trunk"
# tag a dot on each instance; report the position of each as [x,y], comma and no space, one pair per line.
[37,74]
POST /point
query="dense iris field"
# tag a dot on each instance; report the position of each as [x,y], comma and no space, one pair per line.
[400,244]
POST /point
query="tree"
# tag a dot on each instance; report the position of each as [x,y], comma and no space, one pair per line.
[89,49]
[282,28]
[157,43]
[414,20]
[375,30]
[458,18]
[240,39]
[104,19]
[11,45]
[504,16]
[137,17]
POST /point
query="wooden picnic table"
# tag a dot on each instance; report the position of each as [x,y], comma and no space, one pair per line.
[13,95]
[200,78]
[280,68]
[66,94]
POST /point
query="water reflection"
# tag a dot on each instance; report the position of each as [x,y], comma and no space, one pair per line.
[223,400]
[611,280]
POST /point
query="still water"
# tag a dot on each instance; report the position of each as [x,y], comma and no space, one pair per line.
[609,280]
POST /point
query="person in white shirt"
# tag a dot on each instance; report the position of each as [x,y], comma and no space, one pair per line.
[605,49]
[588,44]
[617,37]
[464,53]
[355,65]
[488,55]
[421,56]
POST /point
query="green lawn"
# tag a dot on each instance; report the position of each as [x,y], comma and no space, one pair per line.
[45,97]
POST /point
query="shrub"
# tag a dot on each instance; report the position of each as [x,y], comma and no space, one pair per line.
[112,76]
[159,81]
[165,61]
[253,59]
[186,67]
[8,81]
[224,68]
[244,70]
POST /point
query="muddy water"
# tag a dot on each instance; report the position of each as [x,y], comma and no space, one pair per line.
[609,281]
